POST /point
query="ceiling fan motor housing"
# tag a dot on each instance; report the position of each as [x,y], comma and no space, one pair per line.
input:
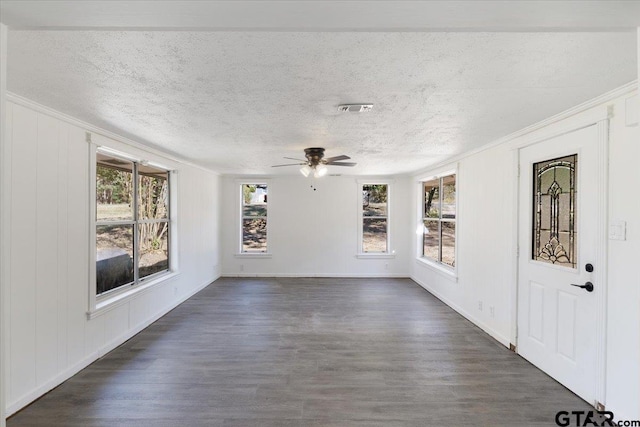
[314,155]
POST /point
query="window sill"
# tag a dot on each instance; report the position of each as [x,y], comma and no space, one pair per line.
[109,303]
[375,256]
[253,255]
[447,272]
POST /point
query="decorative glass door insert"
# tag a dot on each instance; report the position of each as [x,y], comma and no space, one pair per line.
[554,211]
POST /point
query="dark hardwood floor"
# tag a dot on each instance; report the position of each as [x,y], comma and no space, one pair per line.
[307,352]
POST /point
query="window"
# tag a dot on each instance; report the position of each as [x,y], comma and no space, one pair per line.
[554,201]
[132,222]
[254,218]
[439,220]
[375,218]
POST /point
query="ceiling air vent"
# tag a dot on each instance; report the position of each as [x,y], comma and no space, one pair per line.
[354,108]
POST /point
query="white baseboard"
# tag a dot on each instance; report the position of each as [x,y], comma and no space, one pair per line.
[486,328]
[133,332]
[303,275]
[24,400]
[34,394]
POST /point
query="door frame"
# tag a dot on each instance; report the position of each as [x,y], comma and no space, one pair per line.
[598,117]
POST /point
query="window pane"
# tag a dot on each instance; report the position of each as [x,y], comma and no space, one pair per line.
[154,248]
[254,200]
[254,235]
[114,188]
[374,200]
[114,256]
[374,235]
[431,240]
[449,243]
[432,199]
[554,211]
[449,196]
[153,193]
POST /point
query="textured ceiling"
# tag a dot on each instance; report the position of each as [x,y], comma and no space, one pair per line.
[237,102]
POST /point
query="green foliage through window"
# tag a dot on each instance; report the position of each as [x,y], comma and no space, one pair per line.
[132,222]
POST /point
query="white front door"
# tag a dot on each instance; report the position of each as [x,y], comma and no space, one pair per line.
[558,237]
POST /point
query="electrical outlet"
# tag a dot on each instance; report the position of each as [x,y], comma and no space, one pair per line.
[175,290]
[386,266]
[480,305]
[492,311]
[241,267]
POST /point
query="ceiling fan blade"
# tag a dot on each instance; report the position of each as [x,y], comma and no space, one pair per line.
[293,158]
[342,164]
[288,164]
[333,159]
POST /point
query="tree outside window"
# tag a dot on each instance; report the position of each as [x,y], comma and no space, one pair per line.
[439,219]
[132,222]
[375,218]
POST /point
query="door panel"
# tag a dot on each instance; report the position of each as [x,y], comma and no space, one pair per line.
[558,226]
[536,312]
[567,305]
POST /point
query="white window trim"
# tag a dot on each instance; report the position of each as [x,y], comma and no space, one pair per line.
[390,253]
[437,266]
[98,304]
[238,215]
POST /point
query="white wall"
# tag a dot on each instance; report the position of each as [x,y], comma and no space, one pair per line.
[50,337]
[623,327]
[315,233]
[486,248]
[3,248]
[485,258]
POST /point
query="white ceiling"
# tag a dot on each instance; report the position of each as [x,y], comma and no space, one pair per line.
[237,101]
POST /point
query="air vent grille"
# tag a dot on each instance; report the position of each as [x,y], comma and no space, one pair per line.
[354,108]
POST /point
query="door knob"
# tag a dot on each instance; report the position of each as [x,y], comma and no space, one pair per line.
[587,286]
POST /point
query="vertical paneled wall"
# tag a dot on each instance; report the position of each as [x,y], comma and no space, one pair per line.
[623,337]
[50,337]
[485,287]
[4,249]
[315,232]
[484,257]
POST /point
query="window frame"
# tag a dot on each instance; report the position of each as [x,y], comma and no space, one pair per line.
[98,303]
[437,264]
[240,217]
[389,253]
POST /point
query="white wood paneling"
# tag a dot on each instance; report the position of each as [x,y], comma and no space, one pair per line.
[77,243]
[22,342]
[4,211]
[46,266]
[62,294]
[50,336]
[487,252]
[623,314]
[315,233]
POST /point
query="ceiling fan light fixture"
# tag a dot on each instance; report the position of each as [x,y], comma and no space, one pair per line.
[305,170]
[320,171]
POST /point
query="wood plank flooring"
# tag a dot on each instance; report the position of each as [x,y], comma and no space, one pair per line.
[307,353]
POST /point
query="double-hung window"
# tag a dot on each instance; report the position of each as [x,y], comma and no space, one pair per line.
[132,222]
[439,219]
[253,218]
[375,219]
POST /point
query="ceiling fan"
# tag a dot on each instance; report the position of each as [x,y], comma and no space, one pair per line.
[316,162]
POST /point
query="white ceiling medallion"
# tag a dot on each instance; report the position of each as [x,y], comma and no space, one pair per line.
[354,108]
